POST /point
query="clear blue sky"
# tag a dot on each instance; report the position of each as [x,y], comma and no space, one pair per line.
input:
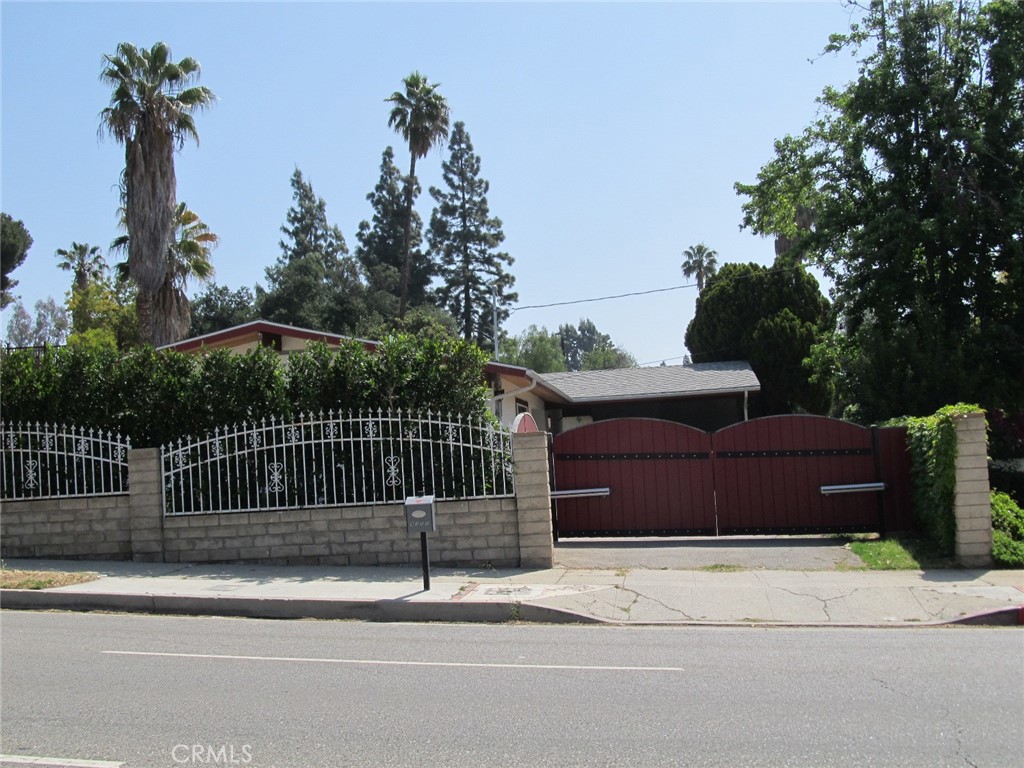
[611,134]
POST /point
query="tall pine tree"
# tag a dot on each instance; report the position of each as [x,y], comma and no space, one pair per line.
[315,283]
[464,239]
[381,245]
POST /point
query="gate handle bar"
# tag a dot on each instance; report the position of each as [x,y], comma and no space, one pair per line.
[583,493]
[828,490]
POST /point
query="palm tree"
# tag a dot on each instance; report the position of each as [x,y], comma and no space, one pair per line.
[150,113]
[420,116]
[188,257]
[700,262]
[85,261]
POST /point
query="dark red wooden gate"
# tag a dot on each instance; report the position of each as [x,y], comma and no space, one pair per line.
[761,476]
[659,473]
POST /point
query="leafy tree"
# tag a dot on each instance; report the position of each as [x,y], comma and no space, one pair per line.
[465,237]
[314,283]
[425,321]
[151,113]
[50,325]
[218,307]
[104,309]
[700,262]
[188,258]
[769,317]
[381,249]
[587,349]
[607,358]
[420,116]
[536,349]
[84,261]
[579,341]
[913,173]
[14,244]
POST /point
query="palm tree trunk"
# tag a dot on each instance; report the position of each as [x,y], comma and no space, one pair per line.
[144,312]
[407,259]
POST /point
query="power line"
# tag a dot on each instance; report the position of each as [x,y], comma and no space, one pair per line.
[602,298]
[769,271]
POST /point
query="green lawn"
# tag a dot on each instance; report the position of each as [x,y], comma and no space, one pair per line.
[898,554]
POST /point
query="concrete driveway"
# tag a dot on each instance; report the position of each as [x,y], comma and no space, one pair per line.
[788,553]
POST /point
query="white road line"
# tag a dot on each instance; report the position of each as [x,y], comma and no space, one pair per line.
[59,762]
[385,662]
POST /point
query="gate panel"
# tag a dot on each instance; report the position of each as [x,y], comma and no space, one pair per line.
[894,461]
[769,473]
[659,473]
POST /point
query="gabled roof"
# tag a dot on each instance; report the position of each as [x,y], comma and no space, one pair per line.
[240,335]
[251,331]
[655,383]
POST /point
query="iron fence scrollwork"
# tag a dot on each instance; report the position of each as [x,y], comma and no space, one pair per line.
[335,459]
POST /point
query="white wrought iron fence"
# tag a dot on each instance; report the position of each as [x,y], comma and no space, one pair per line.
[335,459]
[44,461]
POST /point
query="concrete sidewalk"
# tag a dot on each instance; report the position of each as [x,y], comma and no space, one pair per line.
[562,594]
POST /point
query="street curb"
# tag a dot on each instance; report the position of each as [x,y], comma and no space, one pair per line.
[1012,616]
[399,610]
[395,610]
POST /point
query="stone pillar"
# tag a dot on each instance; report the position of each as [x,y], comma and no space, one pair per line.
[533,499]
[144,492]
[971,504]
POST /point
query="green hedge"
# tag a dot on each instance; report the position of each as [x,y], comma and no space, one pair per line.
[931,441]
[155,397]
[1007,531]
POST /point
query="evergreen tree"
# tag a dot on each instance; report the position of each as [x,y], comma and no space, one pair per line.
[464,238]
[314,283]
[770,317]
[14,244]
[381,249]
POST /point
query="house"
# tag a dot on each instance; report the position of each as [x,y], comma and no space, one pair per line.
[708,396]
[243,338]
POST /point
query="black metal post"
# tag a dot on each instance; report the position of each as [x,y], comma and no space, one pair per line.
[425,557]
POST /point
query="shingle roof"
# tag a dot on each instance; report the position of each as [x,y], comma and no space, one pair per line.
[655,382]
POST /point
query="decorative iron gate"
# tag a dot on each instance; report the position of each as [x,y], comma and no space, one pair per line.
[756,477]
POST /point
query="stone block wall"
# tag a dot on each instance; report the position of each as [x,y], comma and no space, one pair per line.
[971,504]
[479,532]
[94,528]
[506,532]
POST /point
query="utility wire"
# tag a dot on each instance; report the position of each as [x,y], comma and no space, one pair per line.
[772,270]
[602,298]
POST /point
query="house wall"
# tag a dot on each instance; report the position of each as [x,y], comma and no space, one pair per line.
[506,532]
[508,409]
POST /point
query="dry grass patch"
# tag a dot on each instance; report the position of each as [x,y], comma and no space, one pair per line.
[15,579]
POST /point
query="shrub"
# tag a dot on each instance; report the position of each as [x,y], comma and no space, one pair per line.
[1007,531]
[156,397]
[931,441]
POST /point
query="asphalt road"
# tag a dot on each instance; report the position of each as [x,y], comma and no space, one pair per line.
[160,691]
